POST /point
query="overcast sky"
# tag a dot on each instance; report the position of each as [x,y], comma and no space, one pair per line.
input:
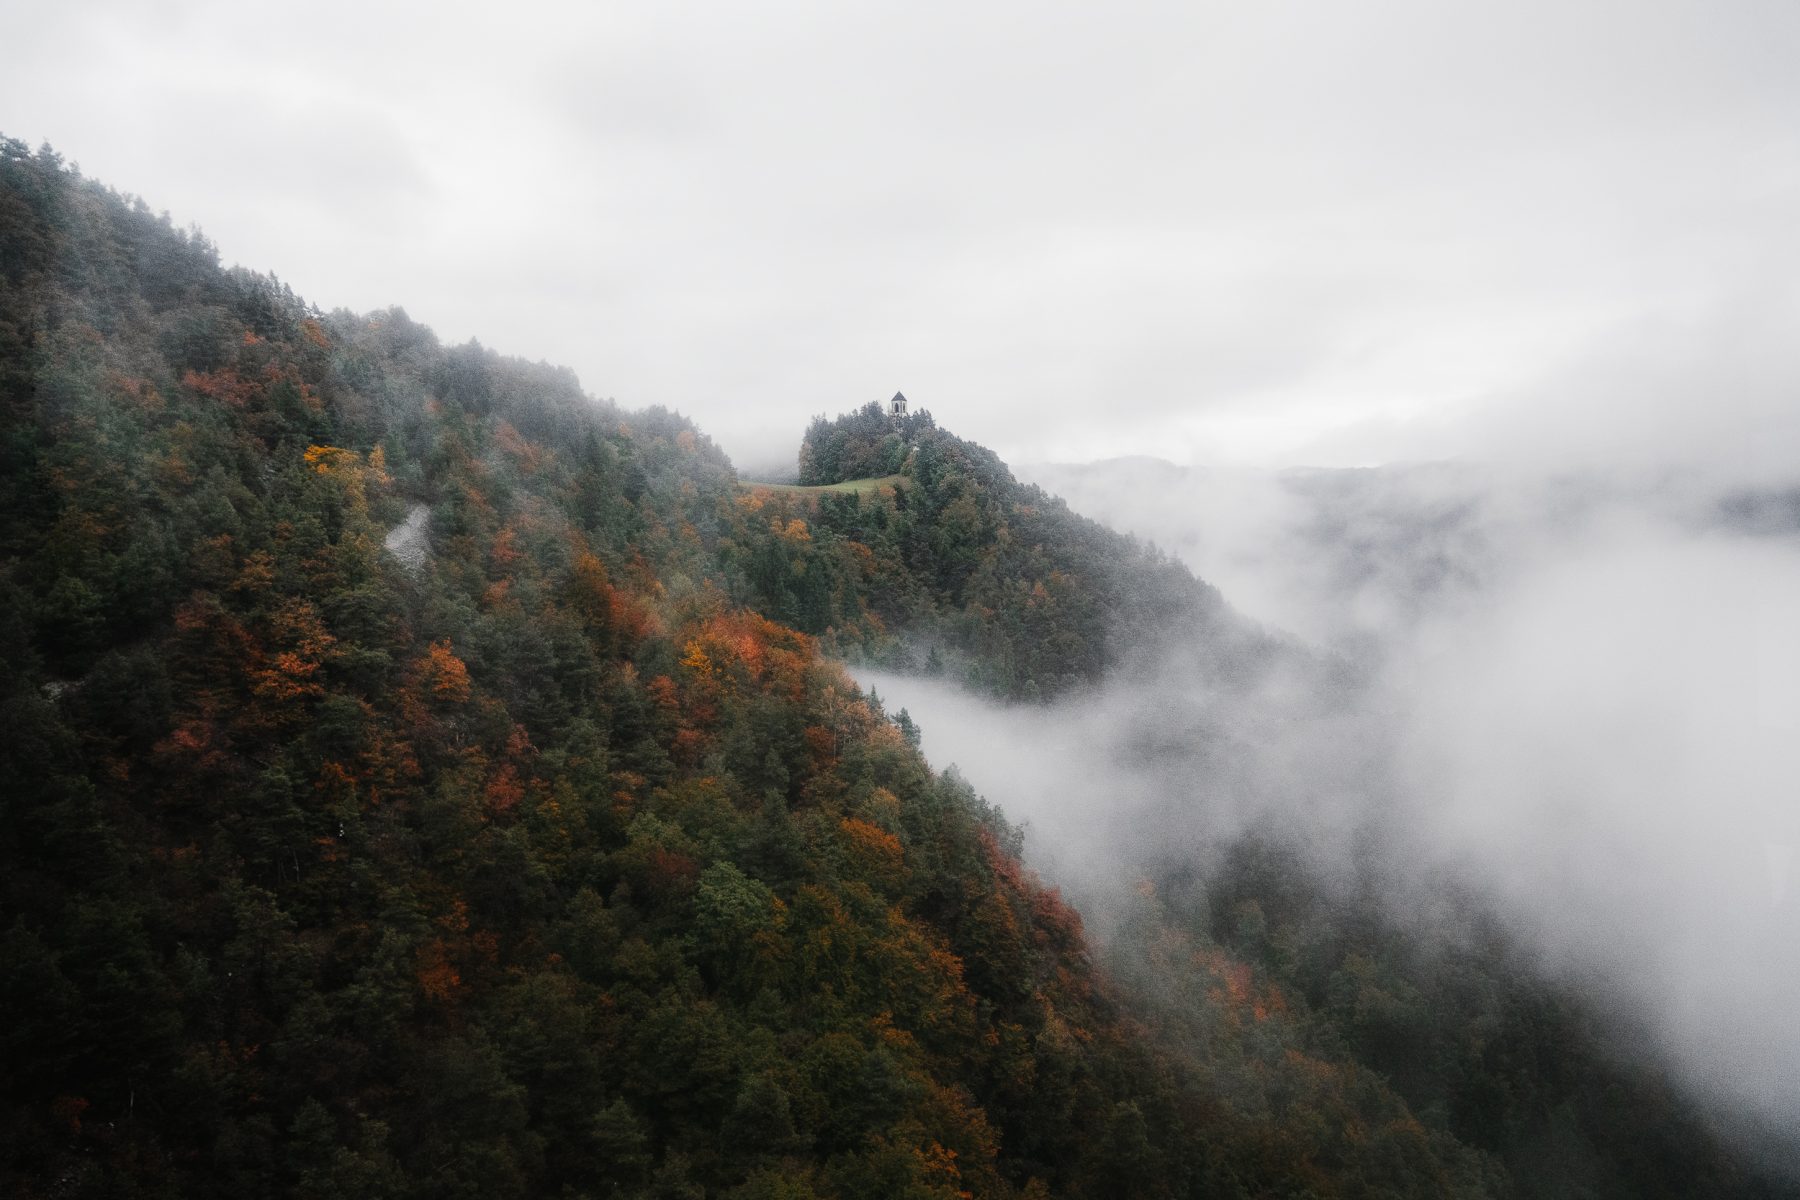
[1258,233]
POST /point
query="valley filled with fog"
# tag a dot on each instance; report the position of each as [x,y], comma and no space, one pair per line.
[1573,698]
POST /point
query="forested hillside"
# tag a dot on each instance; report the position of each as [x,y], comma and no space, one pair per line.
[556,858]
[994,581]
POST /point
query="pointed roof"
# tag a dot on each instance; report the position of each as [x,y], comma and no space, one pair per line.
[899,398]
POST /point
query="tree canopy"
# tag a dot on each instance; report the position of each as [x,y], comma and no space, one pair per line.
[559,858]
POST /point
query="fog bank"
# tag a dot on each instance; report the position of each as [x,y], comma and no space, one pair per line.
[1581,697]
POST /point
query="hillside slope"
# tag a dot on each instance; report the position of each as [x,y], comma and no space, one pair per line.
[965,571]
[554,857]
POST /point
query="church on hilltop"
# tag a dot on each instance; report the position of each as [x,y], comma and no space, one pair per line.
[897,406]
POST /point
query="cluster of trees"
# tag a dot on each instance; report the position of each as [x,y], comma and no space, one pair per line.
[957,567]
[866,443]
[1434,1034]
[560,861]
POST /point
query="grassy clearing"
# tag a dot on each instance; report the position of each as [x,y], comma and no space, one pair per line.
[848,485]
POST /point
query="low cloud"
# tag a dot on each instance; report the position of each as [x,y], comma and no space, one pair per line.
[1580,697]
[1259,233]
[1611,740]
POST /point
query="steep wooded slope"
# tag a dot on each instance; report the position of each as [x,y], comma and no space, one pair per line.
[550,862]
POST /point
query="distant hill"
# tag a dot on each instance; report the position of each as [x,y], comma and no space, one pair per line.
[966,571]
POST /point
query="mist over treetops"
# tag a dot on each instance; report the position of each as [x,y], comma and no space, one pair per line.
[423,778]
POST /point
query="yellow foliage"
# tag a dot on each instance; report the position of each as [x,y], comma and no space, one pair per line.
[328,460]
[378,473]
[697,661]
[346,466]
